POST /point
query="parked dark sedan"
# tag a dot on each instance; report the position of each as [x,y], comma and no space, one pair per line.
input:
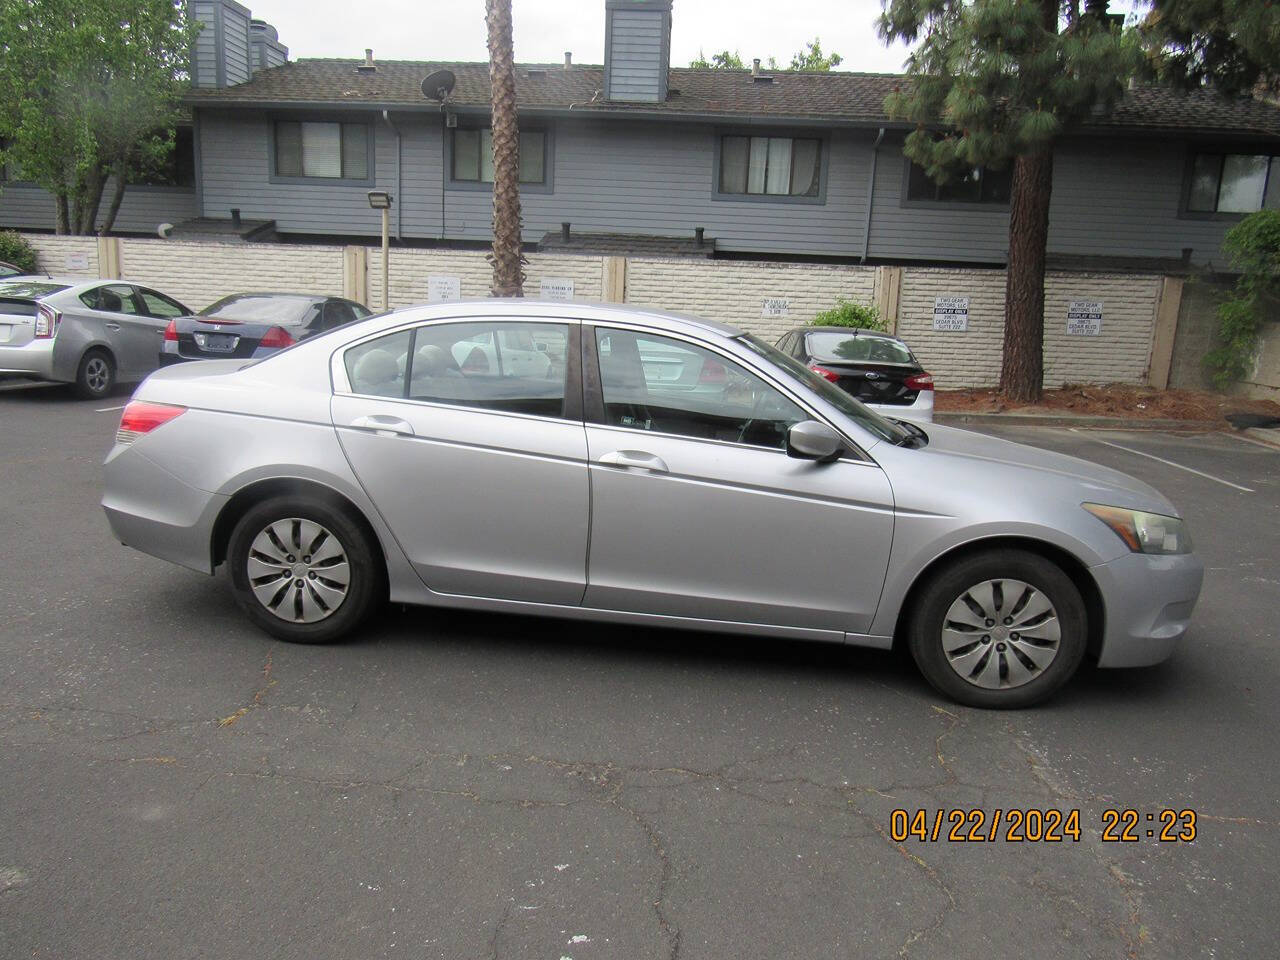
[254,325]
[877,368]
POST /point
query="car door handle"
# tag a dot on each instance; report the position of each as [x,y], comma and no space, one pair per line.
[112,325]
[379,423]
[634,458]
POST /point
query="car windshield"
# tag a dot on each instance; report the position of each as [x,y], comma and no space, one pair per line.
[33,289]
[839,347]
[866,418]
[279,309]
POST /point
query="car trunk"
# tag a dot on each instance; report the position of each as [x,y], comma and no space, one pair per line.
[875,382]
[17,321]
[200,339]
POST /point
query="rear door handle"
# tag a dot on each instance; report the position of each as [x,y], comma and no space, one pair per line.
[387,426]
[635,458]
[111,325]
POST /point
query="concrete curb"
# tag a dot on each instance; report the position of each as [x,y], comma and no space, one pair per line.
[1270,437]
[1068,420]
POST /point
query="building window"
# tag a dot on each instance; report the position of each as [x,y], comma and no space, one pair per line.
[331,151]
[178,168]
[967,185]
[473,156]
[770,166]
[1234,183]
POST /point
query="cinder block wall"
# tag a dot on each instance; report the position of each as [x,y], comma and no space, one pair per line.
[1121,354]
[731,291]
[734,291]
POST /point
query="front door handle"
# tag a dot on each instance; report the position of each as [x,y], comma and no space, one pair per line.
[111,325]
[634,458]
[387,426]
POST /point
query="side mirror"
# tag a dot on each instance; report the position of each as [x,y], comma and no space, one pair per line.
[811,440]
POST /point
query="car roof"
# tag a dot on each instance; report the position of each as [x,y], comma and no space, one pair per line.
[553,309]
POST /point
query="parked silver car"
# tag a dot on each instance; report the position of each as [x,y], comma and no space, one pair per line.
[93,333]
[409,456]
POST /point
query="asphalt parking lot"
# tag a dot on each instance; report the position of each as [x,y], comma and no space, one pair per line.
[174,784]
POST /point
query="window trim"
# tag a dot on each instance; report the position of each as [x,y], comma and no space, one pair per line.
[1245,149]
[795,133]
[370,144]
[970,205]
[547,186]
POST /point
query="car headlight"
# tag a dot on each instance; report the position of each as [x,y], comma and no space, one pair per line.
[1144,532]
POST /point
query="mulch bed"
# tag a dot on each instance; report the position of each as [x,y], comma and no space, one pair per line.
[1111,400]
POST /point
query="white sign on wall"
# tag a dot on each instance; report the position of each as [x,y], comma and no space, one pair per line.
[951,314]
[555,288]
[775,307]
[77,261]
[443,289]
[1084,318]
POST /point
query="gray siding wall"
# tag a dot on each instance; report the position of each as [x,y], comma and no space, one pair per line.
[223,42]
[1110,198]
[235,39]
[25,206]
[636,55]
[205,56]
[235,155]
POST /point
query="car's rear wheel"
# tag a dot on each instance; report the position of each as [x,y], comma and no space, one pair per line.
[1002,628]
[303,570]
[96,375]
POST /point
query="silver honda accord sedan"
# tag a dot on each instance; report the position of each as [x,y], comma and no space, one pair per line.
[624,465]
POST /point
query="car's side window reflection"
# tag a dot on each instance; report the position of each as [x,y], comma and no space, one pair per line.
[494,365]
[670,386]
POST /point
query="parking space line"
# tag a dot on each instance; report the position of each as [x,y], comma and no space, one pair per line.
[1152,456]
[107,409]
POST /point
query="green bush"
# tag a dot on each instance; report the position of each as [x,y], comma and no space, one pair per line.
[848,314]
[15,249]
[1253,245]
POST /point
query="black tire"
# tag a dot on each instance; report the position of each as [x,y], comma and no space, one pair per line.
[933,602]
[96,375]
[364,590]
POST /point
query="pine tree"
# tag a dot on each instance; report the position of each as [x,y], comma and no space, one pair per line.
[993,83]
[1232,44]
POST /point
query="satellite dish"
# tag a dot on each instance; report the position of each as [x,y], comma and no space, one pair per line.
[439,85]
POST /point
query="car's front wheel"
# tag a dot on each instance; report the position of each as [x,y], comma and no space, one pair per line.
[303,570]
[1001,628]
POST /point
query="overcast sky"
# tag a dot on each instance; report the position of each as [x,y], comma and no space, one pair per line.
[544,29]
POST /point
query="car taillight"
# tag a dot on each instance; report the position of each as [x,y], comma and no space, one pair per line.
[47,320]
[140,417]
[920,381]
[171,332]
[713,371]
[824,372]
[275,338]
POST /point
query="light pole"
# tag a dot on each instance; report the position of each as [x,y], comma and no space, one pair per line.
[381,200]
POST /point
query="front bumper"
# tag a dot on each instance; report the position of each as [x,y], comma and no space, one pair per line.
[1148,601]
[34,359]
[151,510]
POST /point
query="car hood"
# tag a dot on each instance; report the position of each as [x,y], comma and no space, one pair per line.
[1020,463]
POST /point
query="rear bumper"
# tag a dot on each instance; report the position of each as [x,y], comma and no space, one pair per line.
[34,359]
[1148,604]
[921,409]
[151,510]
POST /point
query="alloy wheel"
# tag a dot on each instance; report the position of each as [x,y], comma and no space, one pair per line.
[97,374]
[1000,634]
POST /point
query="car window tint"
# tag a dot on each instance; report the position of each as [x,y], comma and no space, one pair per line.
[857,348]
[670,386]
[377,368]
[495,365]
[159,305]
[336,313]
[112,298]
[277,309]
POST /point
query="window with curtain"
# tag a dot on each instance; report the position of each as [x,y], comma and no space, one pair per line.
[473,156]
[770,166]
[332,151]
[1234,183]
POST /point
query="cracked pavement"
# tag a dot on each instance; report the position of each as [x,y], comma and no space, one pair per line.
[452,785]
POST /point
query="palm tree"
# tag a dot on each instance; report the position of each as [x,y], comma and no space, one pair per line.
[508,272]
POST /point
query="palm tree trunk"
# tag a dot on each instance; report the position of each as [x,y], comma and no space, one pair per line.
[1022,367]
[508,274]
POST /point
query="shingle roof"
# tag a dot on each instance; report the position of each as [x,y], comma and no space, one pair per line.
[854,98]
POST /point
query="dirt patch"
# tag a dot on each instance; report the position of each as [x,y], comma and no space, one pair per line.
[1111,400]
